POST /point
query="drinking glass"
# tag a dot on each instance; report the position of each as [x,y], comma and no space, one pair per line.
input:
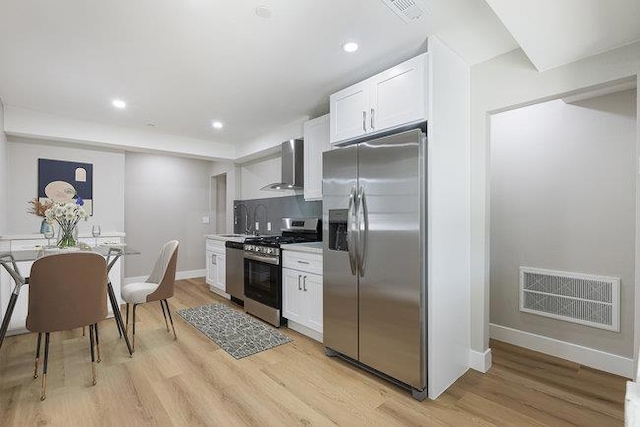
[49,233]
[95,231]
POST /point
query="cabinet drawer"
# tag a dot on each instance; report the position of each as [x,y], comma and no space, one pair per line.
[310,263]
[216,246]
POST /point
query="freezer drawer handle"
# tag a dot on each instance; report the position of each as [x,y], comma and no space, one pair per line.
[351,231]
[363,230]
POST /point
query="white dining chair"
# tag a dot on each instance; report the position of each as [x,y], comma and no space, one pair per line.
[158,287]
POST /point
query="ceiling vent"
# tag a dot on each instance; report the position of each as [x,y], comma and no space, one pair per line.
[408,10]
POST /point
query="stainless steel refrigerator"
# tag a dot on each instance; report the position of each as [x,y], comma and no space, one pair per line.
[374,234]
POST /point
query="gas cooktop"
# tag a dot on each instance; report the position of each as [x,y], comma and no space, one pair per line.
[275,241]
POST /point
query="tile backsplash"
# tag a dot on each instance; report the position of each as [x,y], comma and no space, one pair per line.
[272,210]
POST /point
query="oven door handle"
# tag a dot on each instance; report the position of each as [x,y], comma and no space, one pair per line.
[259,258]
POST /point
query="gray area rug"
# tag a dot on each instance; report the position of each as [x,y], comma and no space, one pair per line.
[237,333]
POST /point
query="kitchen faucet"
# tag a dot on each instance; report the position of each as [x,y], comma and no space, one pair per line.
[247,226]
[255,212]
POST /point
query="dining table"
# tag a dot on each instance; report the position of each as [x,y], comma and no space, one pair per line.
[111,253]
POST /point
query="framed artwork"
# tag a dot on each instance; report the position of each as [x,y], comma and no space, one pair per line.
[63,181]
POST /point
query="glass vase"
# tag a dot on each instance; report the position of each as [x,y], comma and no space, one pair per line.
[66,237]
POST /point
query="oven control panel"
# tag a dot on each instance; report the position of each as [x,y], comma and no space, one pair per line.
[262,250]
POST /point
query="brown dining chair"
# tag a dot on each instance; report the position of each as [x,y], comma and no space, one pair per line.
[158,287]
[66,291]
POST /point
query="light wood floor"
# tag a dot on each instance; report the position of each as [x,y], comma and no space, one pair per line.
[194,382]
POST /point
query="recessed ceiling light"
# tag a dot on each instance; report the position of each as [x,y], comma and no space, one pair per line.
[350,47]
[119,104]
[263,12]
[217,125]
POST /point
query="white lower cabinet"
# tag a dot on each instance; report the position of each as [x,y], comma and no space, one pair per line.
[216,265]
[302,299]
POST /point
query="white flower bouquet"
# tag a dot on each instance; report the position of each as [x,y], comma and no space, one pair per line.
[67,215]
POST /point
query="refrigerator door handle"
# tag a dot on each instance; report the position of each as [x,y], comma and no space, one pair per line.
[352,230]
[363,230]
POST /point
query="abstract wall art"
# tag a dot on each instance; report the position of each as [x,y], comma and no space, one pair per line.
[62,181]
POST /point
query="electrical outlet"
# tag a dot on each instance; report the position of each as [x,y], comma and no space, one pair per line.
[268,226]
[257,226]
[205,220]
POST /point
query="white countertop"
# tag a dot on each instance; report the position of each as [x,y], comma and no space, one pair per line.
[227,236]
[311,247]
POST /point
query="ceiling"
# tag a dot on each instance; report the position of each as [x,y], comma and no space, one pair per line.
[557,32]
[180,65]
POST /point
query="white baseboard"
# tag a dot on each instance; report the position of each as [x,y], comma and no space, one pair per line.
[305,331]
[586,356]
[180,275]
[219,292]
[480,361]
[190,274]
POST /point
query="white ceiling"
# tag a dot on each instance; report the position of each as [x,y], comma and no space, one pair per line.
[181,64]
[557,32]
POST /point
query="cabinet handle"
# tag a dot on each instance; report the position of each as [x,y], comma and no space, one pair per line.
[299,288]
[364,121]
[214,259]
[304,283]
[373,112]
[303,262]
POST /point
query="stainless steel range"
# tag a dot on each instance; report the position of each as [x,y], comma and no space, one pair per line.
[263,267]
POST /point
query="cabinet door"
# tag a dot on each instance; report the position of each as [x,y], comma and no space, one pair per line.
[221,261]
[212,268]
[292,296]
[312,289]
[399,95]
[316,142]
[19,319]
[349,111]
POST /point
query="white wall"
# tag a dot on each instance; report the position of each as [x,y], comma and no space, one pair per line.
[165,198]
[506,82]
[563,198]
[3,174]
[256,174]
[108,183]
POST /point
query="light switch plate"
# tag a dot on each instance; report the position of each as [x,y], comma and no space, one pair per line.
[257,225]
[205,220]
[268,226]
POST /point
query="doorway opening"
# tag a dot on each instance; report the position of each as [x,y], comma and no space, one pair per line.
[218,203]
[563,204]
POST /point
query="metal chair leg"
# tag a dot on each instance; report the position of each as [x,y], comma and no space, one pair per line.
[133,343]
[164,313]
[84,333]
[97,342]
[126,325]
[35,368]
[175,337]
[93,357]
[43,393]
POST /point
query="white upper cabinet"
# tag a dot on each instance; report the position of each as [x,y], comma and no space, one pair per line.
[316,142]
[348,112]
[388,100]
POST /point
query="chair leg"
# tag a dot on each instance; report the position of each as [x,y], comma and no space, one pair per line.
[93,357]
[126,325]
[164,313]
[175,337]
[97,342]
[133,343]
[84,333]
[43,394]
[38,345]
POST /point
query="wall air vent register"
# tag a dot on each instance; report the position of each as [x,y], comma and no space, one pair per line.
[579,298]
[408,10]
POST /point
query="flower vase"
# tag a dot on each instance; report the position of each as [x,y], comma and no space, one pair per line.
[66,237]
[44,226]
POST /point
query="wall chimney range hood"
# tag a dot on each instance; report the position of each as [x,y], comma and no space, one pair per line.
[292,177]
